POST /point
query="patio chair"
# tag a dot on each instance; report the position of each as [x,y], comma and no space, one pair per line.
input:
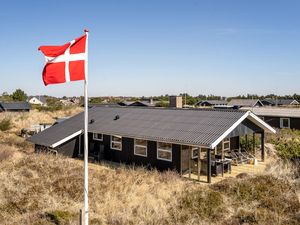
[242,158]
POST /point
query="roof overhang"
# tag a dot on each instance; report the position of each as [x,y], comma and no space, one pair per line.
[253,118]
[66,139]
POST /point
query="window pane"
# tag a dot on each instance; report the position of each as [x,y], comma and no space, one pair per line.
[164,155]
[116,138]
[285,123]
[140,142]
[140,150]
[116,145]
[219,146]
[195,153]
[97,136]
[226,145]
[163,145]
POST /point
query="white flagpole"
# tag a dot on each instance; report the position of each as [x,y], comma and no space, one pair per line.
[86,152]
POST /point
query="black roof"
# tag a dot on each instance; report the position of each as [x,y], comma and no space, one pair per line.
[245,102]
[199,127]
[212,102]
[281,101]
[14,106]
[137,103]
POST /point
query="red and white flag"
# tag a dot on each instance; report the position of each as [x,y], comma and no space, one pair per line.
[65,63]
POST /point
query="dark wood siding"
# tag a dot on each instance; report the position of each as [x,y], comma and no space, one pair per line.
[275,122]
[272,121]
[246,127]
[234,143]
[295,123]
[69,148]
[127,154]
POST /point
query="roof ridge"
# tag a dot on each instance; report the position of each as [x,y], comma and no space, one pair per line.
[172,108]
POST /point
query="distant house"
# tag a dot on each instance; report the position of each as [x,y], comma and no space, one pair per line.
[211,103]
[149,103]
[37,100]
[245,103]
[278,117]
[193,142]
[280,102]
[70,101]
[14,107]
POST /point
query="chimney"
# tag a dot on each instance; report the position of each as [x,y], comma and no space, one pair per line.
[151,101]
[175,101]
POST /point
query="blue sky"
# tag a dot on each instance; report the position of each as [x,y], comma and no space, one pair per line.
[144,48]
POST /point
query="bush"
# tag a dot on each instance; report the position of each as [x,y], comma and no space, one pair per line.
[206,204]
[271,199]
[59,217]
[289,149]
[51,108]
[5,124]
[162,104]
[287,144]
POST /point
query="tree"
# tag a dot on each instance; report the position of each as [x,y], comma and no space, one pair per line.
[19,95]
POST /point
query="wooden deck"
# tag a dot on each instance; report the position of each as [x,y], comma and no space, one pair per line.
[235,170]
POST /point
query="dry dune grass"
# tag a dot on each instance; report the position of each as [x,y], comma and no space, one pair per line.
[26,119]
[34,186]
[38,189]
[44,189]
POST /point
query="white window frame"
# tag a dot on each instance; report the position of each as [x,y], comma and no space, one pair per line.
[95,137]
[163,150]
[281,122]
[226,141]
[141,146]
[111,142]
[193,149]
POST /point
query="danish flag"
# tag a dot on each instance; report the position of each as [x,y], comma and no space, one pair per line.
[65,63]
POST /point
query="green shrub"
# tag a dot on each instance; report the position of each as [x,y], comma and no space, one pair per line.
[205,203]
[249,147]
[287,144]
[162,104]
[5,124]
[49,108]
[59,217]
[273,198]
[288,149]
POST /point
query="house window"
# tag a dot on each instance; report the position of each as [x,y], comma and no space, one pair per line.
[164,151]
[98,137]
[195,152]
[116,143]
[284,122]
[226,144]
[140,147]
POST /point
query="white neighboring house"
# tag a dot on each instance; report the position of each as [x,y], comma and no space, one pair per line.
[37,100]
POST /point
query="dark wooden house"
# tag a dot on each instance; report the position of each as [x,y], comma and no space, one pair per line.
[279,117]
[184,140]
[14,107]
[211,103]
[279,102]
[245,103]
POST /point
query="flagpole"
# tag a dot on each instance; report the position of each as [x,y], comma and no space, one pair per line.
[86,152]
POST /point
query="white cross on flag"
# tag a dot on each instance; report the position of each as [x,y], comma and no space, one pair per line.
[65,63]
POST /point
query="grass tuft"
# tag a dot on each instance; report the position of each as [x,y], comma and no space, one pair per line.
[5,124]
